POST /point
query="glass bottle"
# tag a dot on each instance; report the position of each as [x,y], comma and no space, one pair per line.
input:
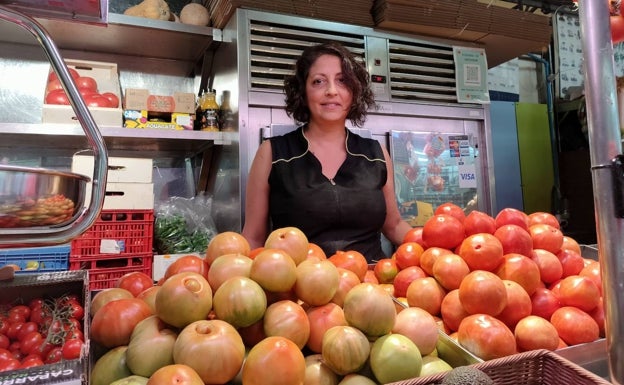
[226,118]
[210,110]
[197,124]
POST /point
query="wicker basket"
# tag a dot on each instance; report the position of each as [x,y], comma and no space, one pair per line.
[529,368]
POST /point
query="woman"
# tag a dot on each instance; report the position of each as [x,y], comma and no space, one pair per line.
[334,185]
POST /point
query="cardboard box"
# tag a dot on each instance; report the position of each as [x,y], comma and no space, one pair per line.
[26,287]
[125,196]
[140,99]
[158,120]
[120,170]
[107,78]
[162,262]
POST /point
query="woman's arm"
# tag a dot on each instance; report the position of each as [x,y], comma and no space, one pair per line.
[394,227]
[255,228]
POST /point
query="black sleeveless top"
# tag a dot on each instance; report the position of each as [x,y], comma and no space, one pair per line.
[346,213]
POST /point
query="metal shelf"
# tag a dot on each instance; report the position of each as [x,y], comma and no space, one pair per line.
[124,36]
[63,139]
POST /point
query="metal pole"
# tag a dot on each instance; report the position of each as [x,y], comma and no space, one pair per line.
[605,143]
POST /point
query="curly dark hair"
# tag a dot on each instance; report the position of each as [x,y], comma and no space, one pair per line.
[355,77]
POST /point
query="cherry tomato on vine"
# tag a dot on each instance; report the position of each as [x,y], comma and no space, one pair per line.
[5,354]
[9,364]
[22,310]
[14,329]
[30,341]
[16,317]
[54,355]
[35,303]
[4,324]
[76,311]
[27,328]
[31,361]
[72,348]
[4,341]
[39,314]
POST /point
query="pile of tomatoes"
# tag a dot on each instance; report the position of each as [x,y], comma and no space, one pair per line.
[88,88]
[42,331]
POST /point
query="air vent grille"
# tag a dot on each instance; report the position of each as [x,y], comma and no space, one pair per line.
[275,47]
[418,71]
[421,72]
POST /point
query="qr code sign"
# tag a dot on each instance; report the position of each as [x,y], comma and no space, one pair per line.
[472,74]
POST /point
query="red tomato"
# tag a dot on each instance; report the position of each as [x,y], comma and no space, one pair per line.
[96,100]
[86,82]
[71,349]
[114,322]
[579,291]
[112,98]
[574,325]
[350,260]
[385,270]
[72,72]
[486,337]
[617,29]
[57,97]
[135,282]
[54,85]
[408,254]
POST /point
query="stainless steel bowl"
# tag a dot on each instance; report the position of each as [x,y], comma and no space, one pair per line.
[34,197]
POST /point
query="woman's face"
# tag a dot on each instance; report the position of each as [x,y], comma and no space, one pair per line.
[329,98]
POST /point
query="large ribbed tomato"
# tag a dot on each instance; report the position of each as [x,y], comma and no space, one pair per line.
[150,347]
[240,301]
[274,270]
[213,348]
[184,298]
[227,266]
[345,349]
[287,319]
[370,308]
[317,281]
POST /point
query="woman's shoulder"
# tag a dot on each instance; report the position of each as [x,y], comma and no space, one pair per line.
[288,145]
[370,147]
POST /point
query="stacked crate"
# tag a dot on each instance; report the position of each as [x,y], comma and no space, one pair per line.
[121,239]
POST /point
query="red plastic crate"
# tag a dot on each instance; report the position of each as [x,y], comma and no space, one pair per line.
[131,232]
[105,271]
